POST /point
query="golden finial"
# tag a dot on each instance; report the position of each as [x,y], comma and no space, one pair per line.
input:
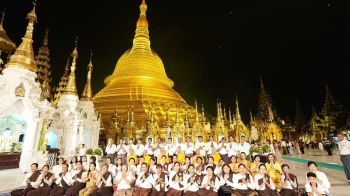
[141,38]
[87,92]
[71,87]
[24,55]
[229,116]
[46,37]
[186,121]
[203,114]
[261,84]
[196,114]
[2,16]
[238,115]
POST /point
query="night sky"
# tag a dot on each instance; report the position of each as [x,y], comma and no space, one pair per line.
[210,49]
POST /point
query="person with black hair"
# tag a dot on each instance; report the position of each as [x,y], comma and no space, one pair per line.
[192,181]
[64,181]
[90,178]
[321,176]
[72,164]
[263,182]
[123,182]
[29,181]
[289,182]
[176,181]
[254,167]
[226,181]
[160,182]
[313,187]
[57,169]
[77,182]
[43,183]
[104,183]
[274,170]
[344,151]
[210,183]
[143,182]
[243,182]
[111,168]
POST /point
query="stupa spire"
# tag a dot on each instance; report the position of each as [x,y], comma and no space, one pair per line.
[71,87]
[141,38]
[24,55]
[238,115]
[87,92]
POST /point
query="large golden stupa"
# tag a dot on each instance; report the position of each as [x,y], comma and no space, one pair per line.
[139,91]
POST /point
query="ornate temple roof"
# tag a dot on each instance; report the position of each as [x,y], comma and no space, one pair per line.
[87,92]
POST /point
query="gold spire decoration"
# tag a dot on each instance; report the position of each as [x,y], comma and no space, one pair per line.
[196,112]
[44,69]
[186,120]
[71,87]
[62,84]
[6,44]
[87,92]
[238,115]
[24,55]
[203,114]
[229,116]
[141,39]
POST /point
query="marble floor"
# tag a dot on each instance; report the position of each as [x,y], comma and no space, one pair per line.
[13,178]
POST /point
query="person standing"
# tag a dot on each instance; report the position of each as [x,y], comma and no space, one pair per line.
[111,148]
[122,151]
[344,151]
[302,147]
[320,146]
[328,145]
[82,151]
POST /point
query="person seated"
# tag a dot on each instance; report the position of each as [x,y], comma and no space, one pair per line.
[192,182]
[197,157]
[93,159]
[254,167]
[210,162]
[119,165]
[218,167]
[210,183]
[123,182]
[143,182]
[57,169]
[243,160]
[43,183]
[180,155]
[263,183]
[90,178]
[243,182]
[233,164]
[63,182]
[198,162]
[222,149]
[77,182]
[73,164]
[146,157]
[152,166]
[188,147]
[29,181]
[187,163]
[163,153]
[111,168]
[313,187]
[139,148]
[289,182]
[216,156]
[176,181]
[226,181]
[160,182]
[172,163]
[132,166]
[232,147]
[200,170]
[274,170]
[84,162]
[163,163]
[104,183]
[321,176]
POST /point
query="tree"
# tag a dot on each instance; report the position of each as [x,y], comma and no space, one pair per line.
[265,105]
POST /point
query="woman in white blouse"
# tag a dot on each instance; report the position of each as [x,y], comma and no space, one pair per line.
[192,181]
[210,183]
[226,181]
[321,176]
[104,183]
[289,182]
[160,182]
[124,180]
[144,182]
[263,182]
[243,182]
[176,181]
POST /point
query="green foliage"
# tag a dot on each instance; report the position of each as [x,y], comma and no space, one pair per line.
[16,147]
[89,151]
[255,149]
[266,148]
[98,151]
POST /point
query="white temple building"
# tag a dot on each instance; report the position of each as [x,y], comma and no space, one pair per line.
[27,117]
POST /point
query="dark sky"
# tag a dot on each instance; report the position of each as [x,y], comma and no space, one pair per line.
[210,49]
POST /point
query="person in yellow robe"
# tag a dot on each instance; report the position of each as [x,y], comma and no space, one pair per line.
[216,156]
[234,164]
[274,170]
[180,155]
[132,155]
[146,157]
[195,157]
[254,167]
[159,158]
[243,160]
[90,177]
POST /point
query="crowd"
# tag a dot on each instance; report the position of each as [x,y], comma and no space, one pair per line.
[174,169]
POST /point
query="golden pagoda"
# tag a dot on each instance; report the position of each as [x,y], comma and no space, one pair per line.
[238,126]
[62,84]
[139,80]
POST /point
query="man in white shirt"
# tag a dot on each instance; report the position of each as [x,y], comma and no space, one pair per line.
[57,169]
[64,181]
[82,151]
[222,149]
[179,143]
[189,147]
[313,187]
[29,181]
[210,144]
[156,147]
[121,151]
[111,148]
[149,147]
[201,146]
[344,151]
[169,147]
[232,147]
[244,146]
[139,148]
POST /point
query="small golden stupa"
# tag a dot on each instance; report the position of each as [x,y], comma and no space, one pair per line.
[140,87]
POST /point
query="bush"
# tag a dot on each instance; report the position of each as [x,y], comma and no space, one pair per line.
[98,152]
[255,149]
[89,151]
[266,148]
[16,147]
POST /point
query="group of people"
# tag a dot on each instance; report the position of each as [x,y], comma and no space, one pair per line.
[174,169]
